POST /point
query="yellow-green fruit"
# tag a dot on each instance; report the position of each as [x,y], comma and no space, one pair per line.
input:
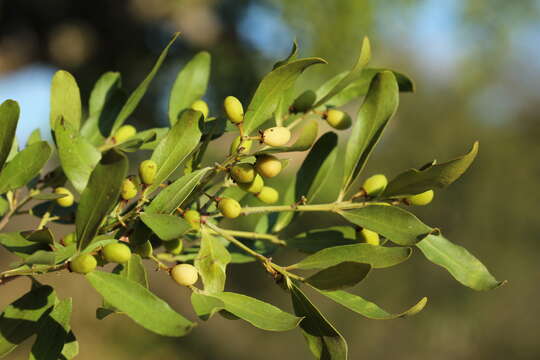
[338,119]
[421,199]
[117,253]
[268,165]
[304,101]
[124,132]
[243,173]
[69,239]
[369,237]
[65,201]
[229,208]
[202,106]
[375,185]
[83,264]
[268,195]
[234,109]
[276,136]
[253,187]
[240,146]
[174,247]
[147,171]
[129,190]
[184,274]
[193,218]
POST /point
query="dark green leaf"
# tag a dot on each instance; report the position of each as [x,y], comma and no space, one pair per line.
[212,262]
[316,240]
[16,243]
[342,275]
[44,236]
[65,100]
[206,306]
[460,263]
[289,58]
[47,196]
[53,333]
[71,347]
[308,135]
[41,257]
[9,116]
[166,227]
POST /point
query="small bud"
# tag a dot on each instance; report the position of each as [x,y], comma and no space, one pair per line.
[304,101]
[276,136]
[83,264]
[421,199]
[369,237]
[202,106]
[268,195]
[229,208]
[234,109]
[253,187]
[147,171]
[124,133]
[375,185]
[193,218]
[65,201]
[338,119]
[129,190]
[240,146]
[268,165]
[69,239]
[174,247]
[184,274]
[116,253]
[243,173]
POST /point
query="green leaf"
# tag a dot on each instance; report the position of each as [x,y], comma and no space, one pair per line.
[19,320]
[9,116]
[377,256]
[212,262]
[378,108]
[460,263]
[71,347]
[342,275]
[137,302]
[308,135]
[44,236]
[41,257]
[369,309]
[136,96]
[53,333]
[176,193]
[395,224]
[24,167]
[206,306]
[34,137]
[190,85]
[414,181]
[324,341]
[267,95]
[15,243]
[176,146]
[166,227]
[100,196]
[292,55]
[315,240]
[65,100]
[363,59]
[63,253]
[78,157]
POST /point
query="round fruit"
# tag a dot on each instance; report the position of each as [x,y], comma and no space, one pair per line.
[375,185]
[123,133]
[193,218]
[268,165]
[338,119]
[253,187]
[369,237]
[304,101]
[174,247]
[234,109]
[117,253]
[202,106]
[242,148]
[184,274]
[69,239]
[229,208]
[147,171]
[268,195]
[65,201]
[129,190]
[276,136]
[83,264]
[421,199]
[243,173]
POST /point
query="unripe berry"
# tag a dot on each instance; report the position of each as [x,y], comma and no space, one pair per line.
[234,109]
[174,247]
[117,253]
[124,133]
[338,119]
[129,190]
[304,101]
[268,165]
[243,173]
[240,146]
[69,239]
[193,218]
[375,185]
[421,199]
[229,208]
[276,136]
[184,274]
[268,195]
[368,237]
[253,187]
[83,264]
[65,201]
[202,106]
[147,171]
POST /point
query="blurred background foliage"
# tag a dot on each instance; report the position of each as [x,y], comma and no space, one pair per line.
[477,69]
